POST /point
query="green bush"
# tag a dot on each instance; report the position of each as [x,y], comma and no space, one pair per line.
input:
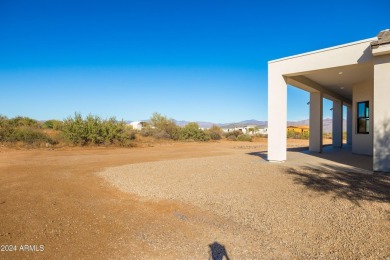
[295,135]
[23,121]
[148,131]
[305,135]
[192,132]
[161,134]
[245,138]
[3,121]
[215,132]
[291,134]
[156,133]
[231,138]
[234,133]
[94,130]
[22,129]
[24,134]
[52,124]
[162,123]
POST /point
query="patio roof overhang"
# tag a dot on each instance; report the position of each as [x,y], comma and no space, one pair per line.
[332,71]
[335,73]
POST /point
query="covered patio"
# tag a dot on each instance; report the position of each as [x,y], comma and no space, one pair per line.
[354,75]
[332,157]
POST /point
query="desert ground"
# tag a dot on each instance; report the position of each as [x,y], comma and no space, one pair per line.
[188,201]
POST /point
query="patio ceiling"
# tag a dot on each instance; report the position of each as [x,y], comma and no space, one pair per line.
[340,80]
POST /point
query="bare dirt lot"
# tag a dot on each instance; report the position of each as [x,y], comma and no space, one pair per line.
[187,200]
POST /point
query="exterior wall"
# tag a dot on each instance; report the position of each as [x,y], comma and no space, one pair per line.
[362,143]
[381,113]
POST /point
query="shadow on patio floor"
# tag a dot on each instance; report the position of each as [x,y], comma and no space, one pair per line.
[297,156]
[328,179]
[336,171]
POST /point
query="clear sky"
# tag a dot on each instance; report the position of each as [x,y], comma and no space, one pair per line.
[197,60]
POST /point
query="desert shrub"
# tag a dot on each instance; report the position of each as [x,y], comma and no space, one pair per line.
[20,121]
[305,135]
[148,131]
[156,133]
[29,136]
[215,132]
[296,135]
[132,134]
[74,130]
[231,138]
[94,130]
[52,124]
[3,121]
[162,123]
[215,136]
[293,134]
[192,132]
[22,129]
[235,133]
[245,138]
[161,134]
[26,135]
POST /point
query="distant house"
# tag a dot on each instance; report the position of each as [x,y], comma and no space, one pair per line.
[138,125]
[249,129]
[255,129]
[263,130]
[303,129]
[228,129]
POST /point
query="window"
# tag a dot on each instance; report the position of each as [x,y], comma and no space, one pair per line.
[363,116]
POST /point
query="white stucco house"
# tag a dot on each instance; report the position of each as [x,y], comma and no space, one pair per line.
[138,125]
[354,75]
[242,129]
[262,130]
[249,129]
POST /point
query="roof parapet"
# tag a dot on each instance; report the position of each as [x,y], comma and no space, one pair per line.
[383,38]
[382,45]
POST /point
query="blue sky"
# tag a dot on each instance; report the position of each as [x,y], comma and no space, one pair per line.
[190,60]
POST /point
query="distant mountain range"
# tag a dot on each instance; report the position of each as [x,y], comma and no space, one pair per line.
[327,123]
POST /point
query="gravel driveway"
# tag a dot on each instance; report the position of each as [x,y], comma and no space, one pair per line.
[255,209]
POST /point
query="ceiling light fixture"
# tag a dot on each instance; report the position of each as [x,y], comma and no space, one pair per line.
[341,87]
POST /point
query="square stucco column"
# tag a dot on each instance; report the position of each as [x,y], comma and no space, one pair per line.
[381,115]
[277,117]
[315,141]
[349,125]
[337,124]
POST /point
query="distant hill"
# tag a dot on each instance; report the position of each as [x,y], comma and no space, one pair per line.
[200,123]
[244,123]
